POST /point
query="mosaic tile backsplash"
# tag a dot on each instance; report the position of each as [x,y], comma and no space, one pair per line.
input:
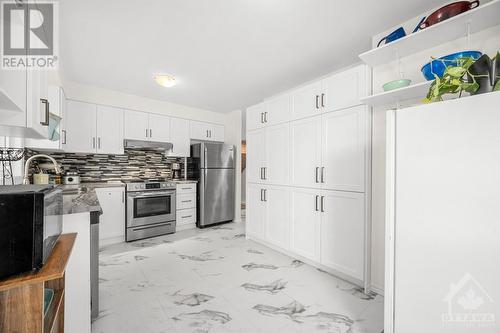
[133,165]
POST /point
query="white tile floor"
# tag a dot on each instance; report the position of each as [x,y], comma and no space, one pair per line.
[214,280]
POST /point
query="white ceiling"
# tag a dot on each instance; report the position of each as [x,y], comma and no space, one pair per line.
[225,54]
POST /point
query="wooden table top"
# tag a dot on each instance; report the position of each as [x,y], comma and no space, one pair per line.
[53,269]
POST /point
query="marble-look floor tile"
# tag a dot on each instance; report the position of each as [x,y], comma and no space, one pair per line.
[214,280]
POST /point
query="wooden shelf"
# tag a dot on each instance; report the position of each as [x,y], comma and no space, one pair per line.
[480,18]
[393,97]
[53,269]
[54,311]
[22,296]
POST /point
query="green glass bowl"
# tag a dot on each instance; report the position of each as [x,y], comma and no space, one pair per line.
[396,84]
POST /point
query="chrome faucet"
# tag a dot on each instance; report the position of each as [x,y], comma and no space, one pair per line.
[26,179]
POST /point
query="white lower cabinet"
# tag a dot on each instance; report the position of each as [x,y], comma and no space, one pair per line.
[305,223]
[277,215]
[185,206]
[112,220]
[255,211]
[343,232]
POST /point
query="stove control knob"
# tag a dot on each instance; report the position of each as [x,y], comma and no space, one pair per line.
[141,186]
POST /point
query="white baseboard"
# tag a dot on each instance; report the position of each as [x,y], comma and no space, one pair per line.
[185,227]
[111,241]
[377,289]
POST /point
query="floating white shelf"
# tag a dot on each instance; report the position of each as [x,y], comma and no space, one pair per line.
[480,18]
[396,96]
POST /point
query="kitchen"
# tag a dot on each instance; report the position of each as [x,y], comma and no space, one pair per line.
[252,187]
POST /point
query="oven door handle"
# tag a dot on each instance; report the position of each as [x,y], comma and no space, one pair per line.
[152,194]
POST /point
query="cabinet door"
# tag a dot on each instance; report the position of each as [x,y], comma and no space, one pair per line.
[179,136]
[198,130]
[256,154]
[277,201]
[136,125]
[305,226]
[112,220]
[255,116]
[305,146]
[37,104]
[277,154]
[345,89]
[344,149]
[255,221]
[279,110]
[216,133]
[109,130]
[306,101]
[343,232]
[159,128]
[80,127]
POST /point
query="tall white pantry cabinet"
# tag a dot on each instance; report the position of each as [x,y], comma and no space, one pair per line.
[309,171]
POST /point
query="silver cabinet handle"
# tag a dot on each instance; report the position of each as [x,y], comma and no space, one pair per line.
[262,117]
[64,137]
[265,195]
[186,200]
[146,132]
[265,117]
[317,101]
[123,197]
[99,142]
[265,171]
[316,203]
[322,174]
[261,194]
[210,133]
[93,143]
[323,100]
[207,134]
[47,110]
[317,172]
[322,204]
[261,173]
[150,133]
[187,216]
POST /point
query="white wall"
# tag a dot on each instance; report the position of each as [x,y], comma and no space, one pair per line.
[233,136]
[487,41]
[92,94]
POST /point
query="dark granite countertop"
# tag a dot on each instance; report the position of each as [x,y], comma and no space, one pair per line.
[82,198]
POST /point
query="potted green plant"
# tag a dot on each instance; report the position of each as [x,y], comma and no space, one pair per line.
[460,78]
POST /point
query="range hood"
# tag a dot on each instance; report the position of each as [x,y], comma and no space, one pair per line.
[150,145]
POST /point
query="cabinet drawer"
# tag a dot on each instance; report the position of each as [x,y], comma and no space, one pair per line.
[185,201]
[186,216]
[186,188]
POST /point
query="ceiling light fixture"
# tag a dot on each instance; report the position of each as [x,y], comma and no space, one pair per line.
[165,80]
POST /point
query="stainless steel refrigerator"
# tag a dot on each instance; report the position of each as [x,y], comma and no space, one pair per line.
[215,164]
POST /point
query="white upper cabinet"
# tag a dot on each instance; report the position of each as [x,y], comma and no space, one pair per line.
[146,126]
[305,147]
[343,232]
[306,101]
[344,89]
[136,125]
[277,154]
[109,130]
[206,131]
[256,155]
[344,145]
[277,201]
[179,137]
[272,112]
[305,223]
[159,128]
[255,116]
[93,128]
[57,131]
[80,127]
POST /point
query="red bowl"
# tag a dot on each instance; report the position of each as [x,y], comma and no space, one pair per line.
[448,11]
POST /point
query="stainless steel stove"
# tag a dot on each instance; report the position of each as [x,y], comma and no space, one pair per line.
[150,209]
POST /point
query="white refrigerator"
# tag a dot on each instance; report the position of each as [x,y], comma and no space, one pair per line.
[443,217]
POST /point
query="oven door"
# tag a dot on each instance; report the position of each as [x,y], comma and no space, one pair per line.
[149,207]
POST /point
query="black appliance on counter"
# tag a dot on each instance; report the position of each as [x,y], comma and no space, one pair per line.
[30,224]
